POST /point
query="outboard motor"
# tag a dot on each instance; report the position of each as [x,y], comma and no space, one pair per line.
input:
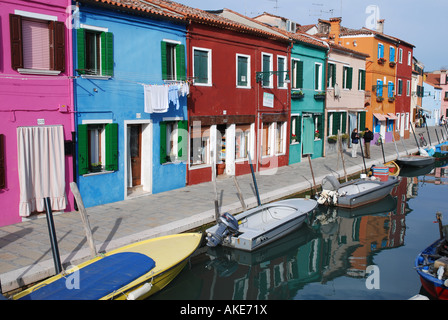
[227,224]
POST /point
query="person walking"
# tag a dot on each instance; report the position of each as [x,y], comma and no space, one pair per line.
[355,141]
[368,136]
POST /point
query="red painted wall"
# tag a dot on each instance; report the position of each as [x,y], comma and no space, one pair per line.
[223,94]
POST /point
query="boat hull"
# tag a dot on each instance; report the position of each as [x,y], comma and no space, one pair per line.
[416,161]
[267,223]
[169,254]
[435,287]
[381,190]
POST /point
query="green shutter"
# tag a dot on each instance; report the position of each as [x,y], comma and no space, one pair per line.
[112,147]
[336,122]
[163,55]
[349,77]
[242,71]
[180,62]
[83,150]
[299,74]
[299,128]
[316,76]
[344,122]
[107,54]
[162,142]
[362,121]
[201,66]
[182,140]
[81,48]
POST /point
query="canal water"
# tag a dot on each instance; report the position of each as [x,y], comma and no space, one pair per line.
[363,254]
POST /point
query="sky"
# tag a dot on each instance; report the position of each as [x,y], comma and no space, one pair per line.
[418,22]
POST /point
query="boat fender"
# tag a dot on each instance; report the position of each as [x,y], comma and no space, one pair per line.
[440,272]
[134,295]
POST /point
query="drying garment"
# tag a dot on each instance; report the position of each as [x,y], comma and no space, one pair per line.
[173,95]
[184,89]
[156,98]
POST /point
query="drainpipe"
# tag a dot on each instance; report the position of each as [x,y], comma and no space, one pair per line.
[325,101]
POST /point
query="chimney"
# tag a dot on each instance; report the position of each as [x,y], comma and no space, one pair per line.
[380,26]
[335,29]
[442,77]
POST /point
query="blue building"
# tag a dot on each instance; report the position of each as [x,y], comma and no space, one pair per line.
[130,98]
[431,103]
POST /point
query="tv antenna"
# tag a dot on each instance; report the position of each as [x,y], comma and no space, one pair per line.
[276,5]
[318,12]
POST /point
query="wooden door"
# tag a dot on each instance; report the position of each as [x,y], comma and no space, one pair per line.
[135,145]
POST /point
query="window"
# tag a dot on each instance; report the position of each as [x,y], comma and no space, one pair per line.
[391,54]
[331,78]
[400,87]
[337,121]
[173,61]
[280,132]
[37,44]
[318,126]
[95,52]
[297,74]
[265,139]
[199,145]
[390,89]
[281,74]
[242,71]
[173,141]
[296,126]
[202,72]
[398,126]
[380,50]
[242,141]
[347,77]
[362,79]
[406,121]
[400,55]
[409,58]
[318,77]
[408,88]
[266,69]
[379,88]
[97,147]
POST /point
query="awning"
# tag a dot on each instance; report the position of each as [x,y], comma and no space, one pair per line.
[380,116]
[392,116]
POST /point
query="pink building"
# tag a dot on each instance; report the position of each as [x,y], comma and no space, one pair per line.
[36,108]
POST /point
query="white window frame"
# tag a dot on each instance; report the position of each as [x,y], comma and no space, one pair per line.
[408,88]
[250,142]
[102,150]
[207,160]
[248,86]
[409,58]
[282,137]
[294,75]
[398,123]
[282,73]
[271,66]
[400,55]
[209,65]
[319,83]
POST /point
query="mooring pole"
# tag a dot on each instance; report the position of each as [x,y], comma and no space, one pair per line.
[255,180]
[53,239]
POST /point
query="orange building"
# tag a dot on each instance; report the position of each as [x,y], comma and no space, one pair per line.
[380,71]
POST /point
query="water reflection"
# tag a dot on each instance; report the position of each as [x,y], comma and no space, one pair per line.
[335,243]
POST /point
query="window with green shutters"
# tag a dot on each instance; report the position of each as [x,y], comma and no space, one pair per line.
[317,76]
[97,148]
[173,61]
[243,65]
[297,74]
[296,129]
[201,66]
[281,75]
[362,80]
[95,51]
[173,141]
[361,121]
[331,77]
[347,77]
[267,68]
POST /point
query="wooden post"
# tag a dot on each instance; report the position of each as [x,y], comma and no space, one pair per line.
[240,194]
[217,214]
[342,154]
[312,175]
[84,218]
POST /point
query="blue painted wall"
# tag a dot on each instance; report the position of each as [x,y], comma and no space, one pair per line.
[308,104]
[432,104]
[137,61]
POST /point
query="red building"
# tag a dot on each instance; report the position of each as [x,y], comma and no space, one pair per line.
[403,88]
[238,106]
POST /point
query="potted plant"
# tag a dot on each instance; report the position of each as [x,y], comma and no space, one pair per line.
[332,139]
[392,64]
[220,167]
[96,167]
[381,60]
[379,99]
[316,135]
[297,94]
[319,96]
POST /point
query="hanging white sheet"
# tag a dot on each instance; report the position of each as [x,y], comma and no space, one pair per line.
[41,168]
[156,98]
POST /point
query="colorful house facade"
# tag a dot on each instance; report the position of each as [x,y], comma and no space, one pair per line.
[417,89]
[130,96]
[307,77]
[36,108]
[238,96]
[440,77]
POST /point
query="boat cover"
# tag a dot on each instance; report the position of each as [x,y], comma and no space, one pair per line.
[98,279]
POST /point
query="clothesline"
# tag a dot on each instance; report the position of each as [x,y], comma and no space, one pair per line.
[159,97]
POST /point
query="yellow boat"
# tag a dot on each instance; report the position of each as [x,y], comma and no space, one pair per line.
[135,271]
[394,168]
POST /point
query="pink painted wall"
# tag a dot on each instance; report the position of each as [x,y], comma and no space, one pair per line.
[25,98]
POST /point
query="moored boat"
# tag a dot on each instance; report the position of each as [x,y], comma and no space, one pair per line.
[261,225]
[415,160]
[355,193]
[135,271]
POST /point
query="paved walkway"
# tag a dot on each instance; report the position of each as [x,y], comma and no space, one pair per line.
[25,250]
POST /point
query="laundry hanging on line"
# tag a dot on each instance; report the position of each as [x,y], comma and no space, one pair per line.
[157,98]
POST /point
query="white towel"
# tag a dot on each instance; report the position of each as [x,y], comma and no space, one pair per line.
[156,99]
